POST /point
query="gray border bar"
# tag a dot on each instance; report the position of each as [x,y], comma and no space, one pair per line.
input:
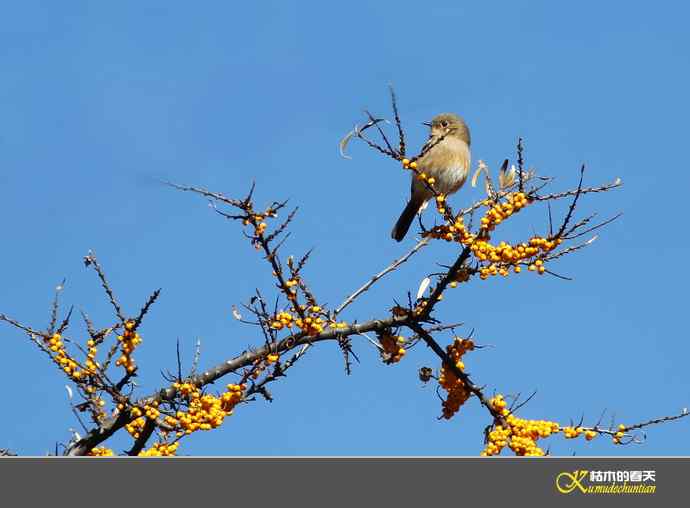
[292,481]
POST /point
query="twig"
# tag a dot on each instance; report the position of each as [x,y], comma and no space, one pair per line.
[213,195]
[395,264]
[381,133]
[572,206]
[90,259]
[568,236]
[521,162]
[560,195]
[445,280]
[55,307]
[145,308]
[443,355]
[401,132]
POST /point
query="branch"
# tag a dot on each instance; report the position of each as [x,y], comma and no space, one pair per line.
[90,259]
[441,287]
[398,124]
[108,428]
[390,268]
[419,330]
[550,197]
[144,436]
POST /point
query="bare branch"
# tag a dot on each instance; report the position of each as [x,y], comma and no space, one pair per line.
[551,197]
[390,268]
[90,259]
[398,123]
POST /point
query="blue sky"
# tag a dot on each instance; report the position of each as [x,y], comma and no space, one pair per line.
[99,101]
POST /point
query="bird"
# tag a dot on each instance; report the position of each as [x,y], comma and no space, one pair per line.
[446,161]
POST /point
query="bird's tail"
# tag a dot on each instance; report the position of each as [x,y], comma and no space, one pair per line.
[406,217]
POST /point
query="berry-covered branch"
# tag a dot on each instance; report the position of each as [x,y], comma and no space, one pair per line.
[288,320]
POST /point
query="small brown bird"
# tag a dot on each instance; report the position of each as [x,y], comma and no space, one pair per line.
[448,162]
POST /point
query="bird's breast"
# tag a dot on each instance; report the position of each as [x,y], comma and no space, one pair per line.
[448,164]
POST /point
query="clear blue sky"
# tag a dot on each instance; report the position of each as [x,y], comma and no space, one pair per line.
[99,100]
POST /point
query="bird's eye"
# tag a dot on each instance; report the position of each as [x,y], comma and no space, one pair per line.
[444,123]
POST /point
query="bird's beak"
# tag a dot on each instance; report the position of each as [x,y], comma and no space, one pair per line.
[428,124]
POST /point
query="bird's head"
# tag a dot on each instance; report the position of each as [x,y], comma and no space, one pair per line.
[451,124]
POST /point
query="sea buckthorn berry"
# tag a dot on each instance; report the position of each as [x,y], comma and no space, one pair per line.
[100,452]
[458,393]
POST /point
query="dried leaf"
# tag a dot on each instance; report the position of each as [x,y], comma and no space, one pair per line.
[235,313]
[479,170]
[423,286]
[482,168]
[345,141]
[506,178]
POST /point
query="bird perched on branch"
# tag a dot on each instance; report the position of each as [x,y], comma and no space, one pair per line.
[446,159]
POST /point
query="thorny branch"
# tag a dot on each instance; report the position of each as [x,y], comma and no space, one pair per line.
[390,268]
